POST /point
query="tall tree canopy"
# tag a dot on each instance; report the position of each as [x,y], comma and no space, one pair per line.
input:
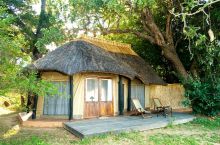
[38,29]
[13,59]
[23,37]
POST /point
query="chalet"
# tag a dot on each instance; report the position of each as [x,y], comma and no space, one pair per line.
[94,78]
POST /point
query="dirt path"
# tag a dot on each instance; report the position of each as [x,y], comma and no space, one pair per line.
[9,121]
[4,111]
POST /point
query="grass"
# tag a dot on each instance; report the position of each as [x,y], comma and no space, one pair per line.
[34,140]
[166,139]
[211,124]
[200,131]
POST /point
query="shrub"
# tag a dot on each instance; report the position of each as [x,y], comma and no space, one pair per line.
[203,95]
[212,124]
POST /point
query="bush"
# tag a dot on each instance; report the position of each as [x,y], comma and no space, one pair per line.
[212,124]
[203,95]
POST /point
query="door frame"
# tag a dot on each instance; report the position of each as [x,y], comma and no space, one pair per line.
[99,78]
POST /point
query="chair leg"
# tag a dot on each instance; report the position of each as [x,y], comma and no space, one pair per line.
[171,112]
[164,113]
[142,115]
[157,112]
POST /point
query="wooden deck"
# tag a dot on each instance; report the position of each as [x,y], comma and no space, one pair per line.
[92,127]
[44,123]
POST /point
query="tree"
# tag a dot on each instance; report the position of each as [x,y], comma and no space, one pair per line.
[150,20]
[150,53]
[201,27]
[39,30]
[136,17]
[13,59]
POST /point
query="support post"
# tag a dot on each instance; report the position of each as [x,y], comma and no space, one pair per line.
[120,96]
[71,98]
[129,95]
[34,109]
[35,99]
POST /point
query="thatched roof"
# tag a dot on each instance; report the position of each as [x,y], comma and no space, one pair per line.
[95,55]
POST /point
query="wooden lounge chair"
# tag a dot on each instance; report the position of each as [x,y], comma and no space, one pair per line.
[160,109]
[140,110]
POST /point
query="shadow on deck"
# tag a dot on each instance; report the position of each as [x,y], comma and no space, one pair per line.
[92,127]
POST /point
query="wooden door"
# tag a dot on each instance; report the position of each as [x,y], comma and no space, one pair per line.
[91,108]
[98,98]
[106,99]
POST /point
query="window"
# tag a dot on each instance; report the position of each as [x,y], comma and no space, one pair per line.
[106,89]
[91,89]
[138,91]
[57,104]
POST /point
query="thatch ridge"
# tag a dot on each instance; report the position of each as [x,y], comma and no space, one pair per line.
[108,45]
[82,56]
[108,42]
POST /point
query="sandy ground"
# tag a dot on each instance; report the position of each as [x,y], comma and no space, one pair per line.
[4,111]
[10,128]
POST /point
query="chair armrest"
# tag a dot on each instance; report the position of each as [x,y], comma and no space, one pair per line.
[160,107]
[164,107]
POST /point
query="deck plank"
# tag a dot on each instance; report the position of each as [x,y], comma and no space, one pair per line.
[92,127]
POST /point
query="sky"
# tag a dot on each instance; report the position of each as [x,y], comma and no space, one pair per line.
[69,25]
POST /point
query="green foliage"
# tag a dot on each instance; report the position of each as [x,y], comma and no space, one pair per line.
[191,31]
[11,55]
[203,95]
[49,35]
[43,28]
[202,89]
[13,60]
[212,124]
[30,83]
[111,14]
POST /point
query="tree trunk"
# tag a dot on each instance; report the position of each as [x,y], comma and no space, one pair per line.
[171,55]
[36,54]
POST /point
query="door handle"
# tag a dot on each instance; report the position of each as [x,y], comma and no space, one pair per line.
[92,98]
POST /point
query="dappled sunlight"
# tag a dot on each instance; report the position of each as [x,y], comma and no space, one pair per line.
[11,132]
[4,111]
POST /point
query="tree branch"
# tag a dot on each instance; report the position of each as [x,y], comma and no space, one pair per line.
[29,34]
[41,18]
[196,12]
[177,42]
[138,34]
[155,31]
[168,34]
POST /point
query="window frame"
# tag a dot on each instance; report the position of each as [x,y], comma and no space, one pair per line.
[96,79]
[99,92]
